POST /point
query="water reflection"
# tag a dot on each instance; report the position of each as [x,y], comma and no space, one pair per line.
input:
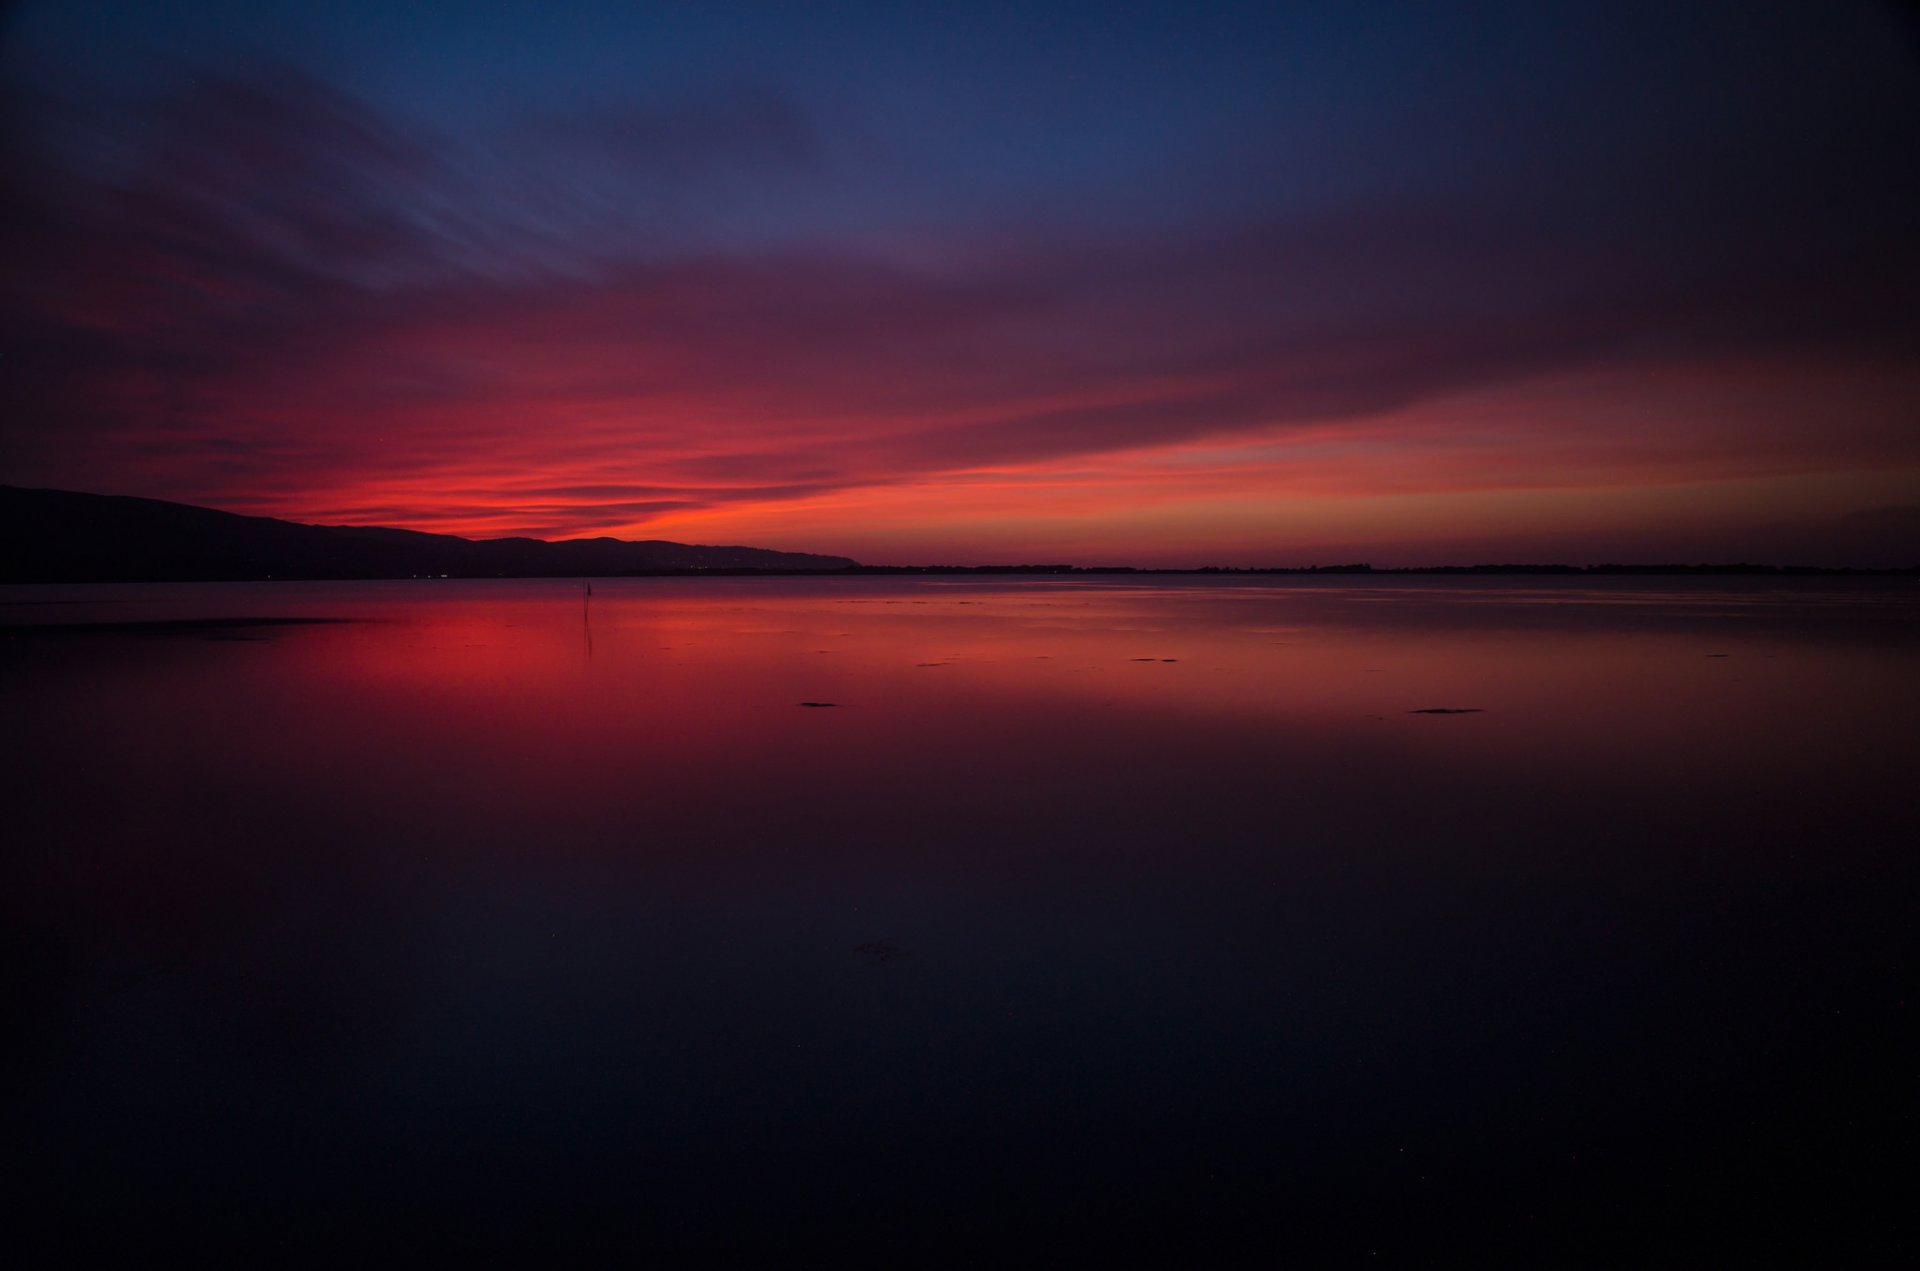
[1150,918]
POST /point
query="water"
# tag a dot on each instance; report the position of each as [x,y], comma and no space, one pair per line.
[1093,918]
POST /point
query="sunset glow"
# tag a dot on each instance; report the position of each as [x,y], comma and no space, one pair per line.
[1250,288]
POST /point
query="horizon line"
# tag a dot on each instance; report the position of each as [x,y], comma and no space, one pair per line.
[1055,567]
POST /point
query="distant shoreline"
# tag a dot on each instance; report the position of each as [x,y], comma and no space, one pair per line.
[66,536]
[1610,570]
[1035,571]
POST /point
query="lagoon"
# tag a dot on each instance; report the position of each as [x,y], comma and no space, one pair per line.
[945,920]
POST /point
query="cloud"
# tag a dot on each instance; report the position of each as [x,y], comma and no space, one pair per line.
[262,294]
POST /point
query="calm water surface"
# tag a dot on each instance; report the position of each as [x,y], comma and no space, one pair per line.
[1092,917]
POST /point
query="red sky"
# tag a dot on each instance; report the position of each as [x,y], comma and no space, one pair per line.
[1585,293]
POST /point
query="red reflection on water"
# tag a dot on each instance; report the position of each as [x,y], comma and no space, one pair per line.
[491,883]
[661,714]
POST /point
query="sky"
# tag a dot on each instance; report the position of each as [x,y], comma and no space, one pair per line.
[1104,283]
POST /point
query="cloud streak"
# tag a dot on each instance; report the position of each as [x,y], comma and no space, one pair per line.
[268,296]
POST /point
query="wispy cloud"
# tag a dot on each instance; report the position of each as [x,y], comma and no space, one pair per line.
[263,294]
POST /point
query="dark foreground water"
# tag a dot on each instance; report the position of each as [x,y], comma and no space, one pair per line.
[1091,920]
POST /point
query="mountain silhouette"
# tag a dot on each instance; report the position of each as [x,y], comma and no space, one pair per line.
[64,536]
